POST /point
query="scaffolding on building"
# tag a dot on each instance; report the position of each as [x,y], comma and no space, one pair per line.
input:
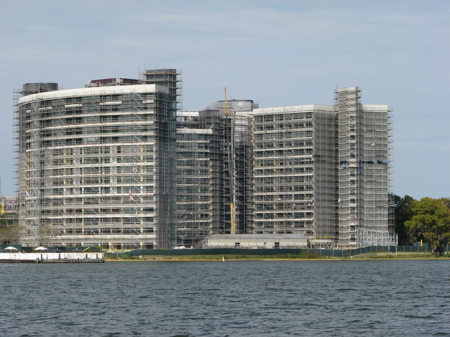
[364,169]
[324,177]
[169,78]
[293,149]
[99,166]
[214,171]
[200,172]
[96,166]
[238,166]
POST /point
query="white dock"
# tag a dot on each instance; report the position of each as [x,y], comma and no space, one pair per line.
[51,257]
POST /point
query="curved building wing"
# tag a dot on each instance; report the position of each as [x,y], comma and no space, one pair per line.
[96,166]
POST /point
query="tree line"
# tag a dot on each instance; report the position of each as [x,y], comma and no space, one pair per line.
[425,220]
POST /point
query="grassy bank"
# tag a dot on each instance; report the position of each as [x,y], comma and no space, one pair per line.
[402,256]
[227,257]
[283,257]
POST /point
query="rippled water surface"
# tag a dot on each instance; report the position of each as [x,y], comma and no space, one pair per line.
[245,298]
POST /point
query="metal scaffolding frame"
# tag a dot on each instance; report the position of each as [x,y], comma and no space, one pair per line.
[368,238]
[323,171]
[200,173]
[116,165]
[97,166]
[364,138]
[238,175]
[214,170]
[293,171]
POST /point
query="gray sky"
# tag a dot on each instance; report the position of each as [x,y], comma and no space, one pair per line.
[275,52]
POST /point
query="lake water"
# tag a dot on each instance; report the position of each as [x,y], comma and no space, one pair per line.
[242,298]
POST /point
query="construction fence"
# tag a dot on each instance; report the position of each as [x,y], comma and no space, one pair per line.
[266,252]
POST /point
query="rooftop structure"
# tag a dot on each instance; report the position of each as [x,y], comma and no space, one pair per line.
[169,78]
[108,82]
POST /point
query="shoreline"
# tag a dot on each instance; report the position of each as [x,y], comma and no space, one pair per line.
[225,258]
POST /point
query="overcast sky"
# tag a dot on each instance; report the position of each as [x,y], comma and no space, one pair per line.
[275,52]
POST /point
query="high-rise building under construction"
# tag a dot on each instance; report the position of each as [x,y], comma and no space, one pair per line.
[323,171]
[117,165]
[214,172]
[364,142]
[96,165]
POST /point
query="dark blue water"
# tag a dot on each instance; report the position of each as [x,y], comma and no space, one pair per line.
[245,298]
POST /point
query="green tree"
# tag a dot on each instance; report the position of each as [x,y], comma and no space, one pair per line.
[430,222]
[403,213]
[10,235]
[10,232]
